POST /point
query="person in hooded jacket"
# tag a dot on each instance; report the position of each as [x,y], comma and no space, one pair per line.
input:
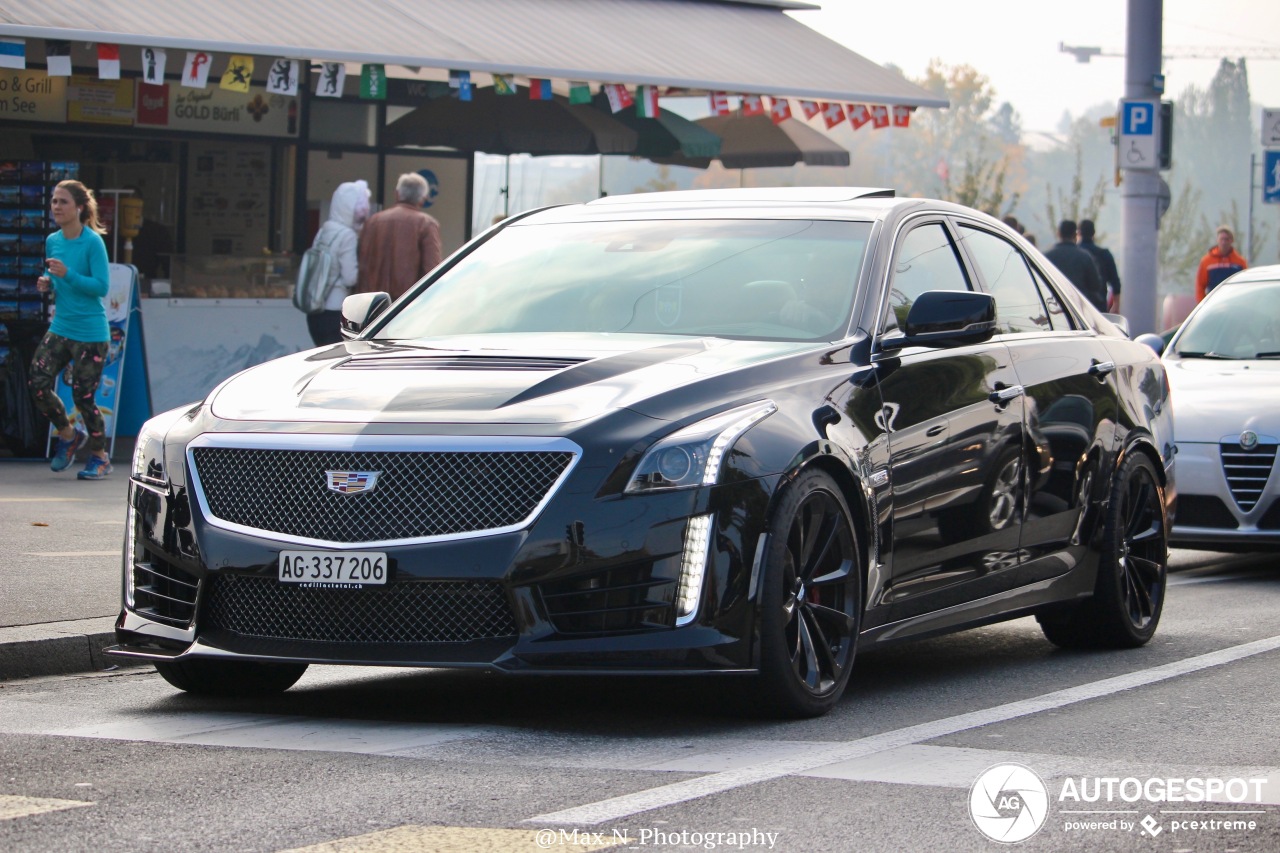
[340,234]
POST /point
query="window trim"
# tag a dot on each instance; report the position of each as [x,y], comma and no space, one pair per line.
[908,224]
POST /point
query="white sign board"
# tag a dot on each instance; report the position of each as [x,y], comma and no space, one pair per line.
[1139,121]
[1271,128]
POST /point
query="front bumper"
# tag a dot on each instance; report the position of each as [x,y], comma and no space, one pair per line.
[1211,515]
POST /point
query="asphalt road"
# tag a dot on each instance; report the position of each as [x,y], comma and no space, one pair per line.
[359,759]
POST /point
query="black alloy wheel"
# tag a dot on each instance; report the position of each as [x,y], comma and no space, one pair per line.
[811,602]
[1132,568]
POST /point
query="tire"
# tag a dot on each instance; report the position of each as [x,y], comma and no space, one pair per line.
[811,601]
[1132,568]
[996,506]
[230,678]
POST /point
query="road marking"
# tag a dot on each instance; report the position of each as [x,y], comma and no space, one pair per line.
[12,807]
[616,808]
[42,500]
[463,839]
[115,553]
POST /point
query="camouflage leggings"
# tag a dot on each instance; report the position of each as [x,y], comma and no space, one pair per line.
[86,360]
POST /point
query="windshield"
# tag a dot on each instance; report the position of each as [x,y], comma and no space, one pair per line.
[1237,321]
[749,279]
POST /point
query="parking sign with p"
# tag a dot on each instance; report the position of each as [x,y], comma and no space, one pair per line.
[1138,137]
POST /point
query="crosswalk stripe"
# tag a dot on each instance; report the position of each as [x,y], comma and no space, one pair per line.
[12,807]
[462,839]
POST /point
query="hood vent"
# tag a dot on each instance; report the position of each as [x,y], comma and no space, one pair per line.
[456,362]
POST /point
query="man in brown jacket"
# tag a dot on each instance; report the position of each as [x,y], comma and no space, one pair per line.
[401,244]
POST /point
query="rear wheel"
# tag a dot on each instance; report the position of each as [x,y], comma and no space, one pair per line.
[1132,568]
[230,678]
[811,599]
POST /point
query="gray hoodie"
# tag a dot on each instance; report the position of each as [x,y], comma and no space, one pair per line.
[348,210]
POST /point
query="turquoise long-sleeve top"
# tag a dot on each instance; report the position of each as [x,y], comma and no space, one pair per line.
[80,310]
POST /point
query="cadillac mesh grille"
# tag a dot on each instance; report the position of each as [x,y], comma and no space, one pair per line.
[412,612]
[1247,471]
[418,494]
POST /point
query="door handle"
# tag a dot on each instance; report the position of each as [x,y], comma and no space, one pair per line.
[1101,368]
[1004,394]
[936,430]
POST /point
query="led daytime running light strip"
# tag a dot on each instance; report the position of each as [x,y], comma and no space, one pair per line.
[711,473]
[693,565]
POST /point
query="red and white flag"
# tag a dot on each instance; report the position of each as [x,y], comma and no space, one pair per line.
[832,114]
[859,115]
[811,108]
[902,115]
[195,71]
[719,104]
[619,97]
[752,105]
[879,116]
[109,62]
[780,110]
[647,101]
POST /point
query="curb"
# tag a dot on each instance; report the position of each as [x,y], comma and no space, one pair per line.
[56,648]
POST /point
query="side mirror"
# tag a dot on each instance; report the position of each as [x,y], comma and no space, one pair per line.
[1121,322]
[359,310]
[948,318]
[1152,340]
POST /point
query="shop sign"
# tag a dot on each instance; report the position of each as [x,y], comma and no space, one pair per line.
[220,111]
[153,104]
[100,101]
[32,96]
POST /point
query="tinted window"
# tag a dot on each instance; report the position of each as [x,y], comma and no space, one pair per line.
[926,260]
[758,279]
[1058,315]
[1004,269]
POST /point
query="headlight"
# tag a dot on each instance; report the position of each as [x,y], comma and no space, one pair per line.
[148,452]
[692,456]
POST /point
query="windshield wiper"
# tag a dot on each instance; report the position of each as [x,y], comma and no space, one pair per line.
[1209,354]
[1268,355]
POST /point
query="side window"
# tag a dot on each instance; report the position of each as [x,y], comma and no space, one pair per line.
[926,260]
[1057,314]
[1019,306]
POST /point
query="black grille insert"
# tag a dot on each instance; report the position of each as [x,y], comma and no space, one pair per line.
[410,612]
[1204,511]
[163,592]
[1247,471]
[632,597]
[417,494]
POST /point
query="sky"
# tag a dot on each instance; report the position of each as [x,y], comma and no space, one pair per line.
[1015,43]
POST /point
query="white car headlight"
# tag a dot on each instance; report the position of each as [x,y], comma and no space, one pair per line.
[692,456]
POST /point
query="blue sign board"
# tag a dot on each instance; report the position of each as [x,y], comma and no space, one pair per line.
[1271,177]
[1139,118]
[1138,134]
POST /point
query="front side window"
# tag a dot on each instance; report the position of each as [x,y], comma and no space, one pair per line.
[1019,307]
[926,260]
[742,279]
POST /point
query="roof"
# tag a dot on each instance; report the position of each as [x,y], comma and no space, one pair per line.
[753,47]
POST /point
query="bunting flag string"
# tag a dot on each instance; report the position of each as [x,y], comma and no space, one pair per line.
[752,105]
[780,110]
[332,80]
[539,89]
[195,71]
[902,115]
[719,104]
[647,101]
[373,82]
[108,62]
[811,108]
[239,74]
[859,115]
[153,62]
[13,53]
[504,84]
[57,57]
[282,77]
[579,92]
[832,114]
[879,116]
[461,81]
[619,97]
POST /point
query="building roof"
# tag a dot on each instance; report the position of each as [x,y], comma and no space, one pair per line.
[743,46]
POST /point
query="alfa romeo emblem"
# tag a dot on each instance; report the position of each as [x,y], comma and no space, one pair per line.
[351,482]
[1248,440]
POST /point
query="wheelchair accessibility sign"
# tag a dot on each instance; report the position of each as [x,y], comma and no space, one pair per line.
[1138,135]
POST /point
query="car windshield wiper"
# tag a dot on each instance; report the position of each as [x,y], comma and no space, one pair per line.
[1268,355]
[1210,354]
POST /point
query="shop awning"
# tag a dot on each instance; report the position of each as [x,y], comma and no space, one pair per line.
[749,46]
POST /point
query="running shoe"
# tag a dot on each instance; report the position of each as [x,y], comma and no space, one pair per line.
[96,469]
[64,450]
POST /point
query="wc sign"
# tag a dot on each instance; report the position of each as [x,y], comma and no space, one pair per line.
[1139,134]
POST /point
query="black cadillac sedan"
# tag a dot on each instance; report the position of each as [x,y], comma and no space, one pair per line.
[723,433]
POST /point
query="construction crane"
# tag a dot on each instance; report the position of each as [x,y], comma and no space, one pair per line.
[1084,54]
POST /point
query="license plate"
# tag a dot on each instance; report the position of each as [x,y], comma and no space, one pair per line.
[333,567]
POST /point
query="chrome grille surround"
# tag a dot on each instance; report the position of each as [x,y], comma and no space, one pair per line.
[1247,471]
[444,488]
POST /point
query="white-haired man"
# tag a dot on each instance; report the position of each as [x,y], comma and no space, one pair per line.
[401,244]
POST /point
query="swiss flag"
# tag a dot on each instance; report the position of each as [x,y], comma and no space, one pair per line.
[719,104]
[780,110]
[879,116]
[752,105]
[859,115]
[811,108]
[832,114]
[902,115]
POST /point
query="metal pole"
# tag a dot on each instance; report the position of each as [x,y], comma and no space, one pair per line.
[1248,247]
[1141,189]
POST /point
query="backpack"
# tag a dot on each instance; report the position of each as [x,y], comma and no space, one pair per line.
[316,277]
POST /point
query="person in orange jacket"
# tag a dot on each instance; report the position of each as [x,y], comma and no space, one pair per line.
[1218,263]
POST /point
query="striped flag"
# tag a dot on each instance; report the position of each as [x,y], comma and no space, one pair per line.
[647,101]
[719,104]
[109,62]
[832,114]
[504,84]
[879,116]
[811,108]
[539,89]
[13,53]
[153,61]
[859,115]
[57,57]
[619,97]
[752,105]
[579,92]
[780,110]
[902,115]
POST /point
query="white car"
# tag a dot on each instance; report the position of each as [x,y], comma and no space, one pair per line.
[1224,372]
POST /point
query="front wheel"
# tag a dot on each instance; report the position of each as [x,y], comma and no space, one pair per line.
[811,599]
[1132,568]
[230,677]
